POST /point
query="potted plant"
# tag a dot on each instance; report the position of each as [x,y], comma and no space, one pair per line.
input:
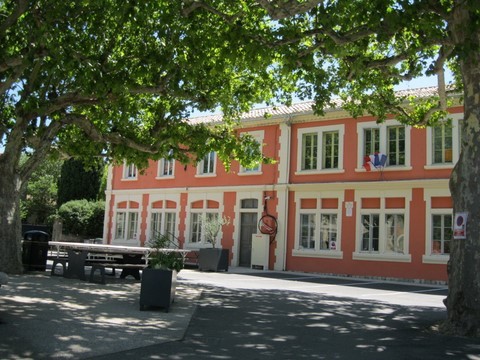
[159,279]
[213,259]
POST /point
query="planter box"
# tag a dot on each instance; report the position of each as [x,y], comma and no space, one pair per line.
[158,288]
[213,259]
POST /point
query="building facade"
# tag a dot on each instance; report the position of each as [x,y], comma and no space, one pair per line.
[329,209]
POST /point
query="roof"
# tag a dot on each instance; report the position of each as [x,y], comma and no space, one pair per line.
[304,107]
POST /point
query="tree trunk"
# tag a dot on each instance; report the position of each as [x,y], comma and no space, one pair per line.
[10,223]
[463,301]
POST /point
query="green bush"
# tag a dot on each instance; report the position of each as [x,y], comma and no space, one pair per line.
[83,217]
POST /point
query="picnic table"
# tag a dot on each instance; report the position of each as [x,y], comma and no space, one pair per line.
[130,259]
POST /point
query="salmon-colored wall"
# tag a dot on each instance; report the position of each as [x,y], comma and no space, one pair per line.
[186,177]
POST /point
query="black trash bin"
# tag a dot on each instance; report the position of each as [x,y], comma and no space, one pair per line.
[35,250]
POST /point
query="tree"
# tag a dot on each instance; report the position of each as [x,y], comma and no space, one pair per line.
[117,80]
[359,50]
[39,202]
[77,183]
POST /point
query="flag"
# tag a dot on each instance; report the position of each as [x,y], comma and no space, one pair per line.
[374,162]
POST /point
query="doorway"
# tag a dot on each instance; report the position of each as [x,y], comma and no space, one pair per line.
[248,227]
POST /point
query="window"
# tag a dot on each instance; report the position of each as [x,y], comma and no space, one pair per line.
[165,167]
[307,231]
[258,137]
[382,225]
[320,149]
[318,224]
[444,143]
[163,224]
[207,165]
[441,233]
[390,138]
[129,171]
[396,145]
[370,232]
[395,233]
[330,150]
[328,232]
[197,234]
[372,141]
[309,151]
[196,228]
[126,225]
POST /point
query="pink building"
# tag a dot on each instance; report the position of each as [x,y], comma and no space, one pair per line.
[333,215]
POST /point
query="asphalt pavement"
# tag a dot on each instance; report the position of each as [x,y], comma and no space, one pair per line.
[240,314]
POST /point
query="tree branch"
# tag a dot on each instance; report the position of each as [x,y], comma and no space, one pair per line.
[13,17]
[281,9]
[94,134]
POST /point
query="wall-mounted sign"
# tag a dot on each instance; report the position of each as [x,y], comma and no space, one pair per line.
[348,208]
[460,226]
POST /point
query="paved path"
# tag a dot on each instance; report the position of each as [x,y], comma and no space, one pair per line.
[235,315]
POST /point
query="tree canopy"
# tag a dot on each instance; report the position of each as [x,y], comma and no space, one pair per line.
[118,79]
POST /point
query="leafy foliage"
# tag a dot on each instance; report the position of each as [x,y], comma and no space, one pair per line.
[39,201]
[161,257]
[83,217]
[211,225]
[76,182]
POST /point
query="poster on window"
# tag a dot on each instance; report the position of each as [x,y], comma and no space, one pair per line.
[460,226]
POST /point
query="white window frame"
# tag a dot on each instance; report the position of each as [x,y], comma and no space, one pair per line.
[382,254]
[429,257]
[164,224]
[317,251]
[200,166]
[383,128]
[456,146]
[320,131]
[257,170]
[126,226]
[161,166]
[130,172]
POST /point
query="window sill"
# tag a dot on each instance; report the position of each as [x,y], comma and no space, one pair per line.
[129,179]
[320,172]
[438,166]
[205,175]
[386,168]
[165,177]
[249,173]
[328,254]
[441,259]
[382,257]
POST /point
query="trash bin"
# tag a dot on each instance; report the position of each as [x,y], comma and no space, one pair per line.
[35,250]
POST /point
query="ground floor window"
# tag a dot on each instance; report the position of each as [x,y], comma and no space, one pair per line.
[383,233]
[441,233]
[126,225]
[163,223]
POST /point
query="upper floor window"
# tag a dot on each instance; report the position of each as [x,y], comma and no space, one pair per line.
[129,171]
[443,142]
[390,138]
[207,165]
[320,149]
[255,169]
[165,167]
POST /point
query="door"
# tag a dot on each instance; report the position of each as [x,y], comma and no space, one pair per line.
[248,227]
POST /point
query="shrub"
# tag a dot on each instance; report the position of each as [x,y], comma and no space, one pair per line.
[83,217]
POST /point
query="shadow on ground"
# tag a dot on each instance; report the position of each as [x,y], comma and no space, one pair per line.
[245,324]
[43,317]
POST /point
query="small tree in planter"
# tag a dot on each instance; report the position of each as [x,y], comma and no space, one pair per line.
[159,280]
[213,259]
